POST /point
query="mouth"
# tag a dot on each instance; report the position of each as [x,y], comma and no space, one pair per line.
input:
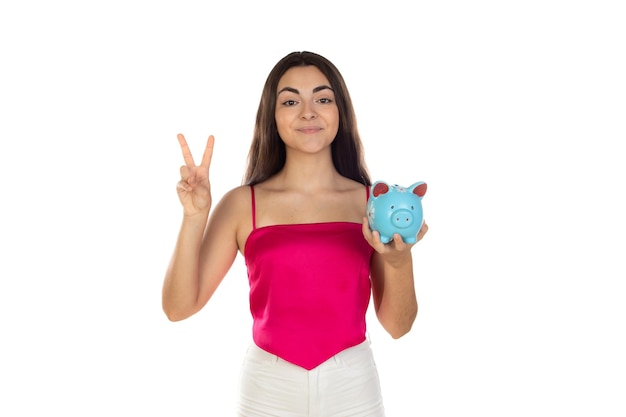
[309,129]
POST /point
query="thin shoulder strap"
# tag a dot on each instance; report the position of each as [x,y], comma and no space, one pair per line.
[253,208]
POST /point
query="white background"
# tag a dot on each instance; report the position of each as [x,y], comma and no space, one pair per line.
[513,113]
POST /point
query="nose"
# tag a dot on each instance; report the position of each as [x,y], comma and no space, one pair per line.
[308,112]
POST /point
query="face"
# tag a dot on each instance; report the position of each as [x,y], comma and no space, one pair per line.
[307,116]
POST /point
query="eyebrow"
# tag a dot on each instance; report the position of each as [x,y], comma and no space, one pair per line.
[295,91]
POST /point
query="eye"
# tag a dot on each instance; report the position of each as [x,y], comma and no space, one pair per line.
[325,100]
[392,206]
[289,103]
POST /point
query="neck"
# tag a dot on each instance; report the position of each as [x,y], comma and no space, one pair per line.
[308,174]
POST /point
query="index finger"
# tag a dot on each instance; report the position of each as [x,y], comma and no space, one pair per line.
[186,152]
[208,153]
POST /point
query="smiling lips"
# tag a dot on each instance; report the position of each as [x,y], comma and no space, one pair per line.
[309,129]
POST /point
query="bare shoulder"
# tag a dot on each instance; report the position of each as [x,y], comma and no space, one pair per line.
[234,212]
[353,190]
[351,185]
[234,202]
[358,193]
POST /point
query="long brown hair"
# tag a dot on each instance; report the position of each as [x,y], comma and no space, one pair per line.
[267,152]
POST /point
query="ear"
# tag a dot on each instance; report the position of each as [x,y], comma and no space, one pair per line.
[379,188]
[419,189]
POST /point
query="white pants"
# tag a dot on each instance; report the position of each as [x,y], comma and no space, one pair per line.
[345,385]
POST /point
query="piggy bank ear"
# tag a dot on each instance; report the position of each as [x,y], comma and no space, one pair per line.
[419,189]
[379,188]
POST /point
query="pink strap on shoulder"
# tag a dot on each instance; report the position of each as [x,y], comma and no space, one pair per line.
[253,208]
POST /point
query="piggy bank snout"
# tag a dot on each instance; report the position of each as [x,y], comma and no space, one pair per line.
[402,218]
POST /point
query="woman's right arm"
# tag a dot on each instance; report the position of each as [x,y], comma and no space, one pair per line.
[181,284]
[198,264]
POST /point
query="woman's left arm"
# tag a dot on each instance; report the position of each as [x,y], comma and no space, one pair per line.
[393,286]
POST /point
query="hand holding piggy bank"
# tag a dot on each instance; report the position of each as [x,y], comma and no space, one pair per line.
[395,209]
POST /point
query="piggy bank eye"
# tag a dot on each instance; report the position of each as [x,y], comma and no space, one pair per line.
[412,207]
[392,206]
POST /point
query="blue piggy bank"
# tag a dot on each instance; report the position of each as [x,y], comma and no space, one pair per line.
[395,209]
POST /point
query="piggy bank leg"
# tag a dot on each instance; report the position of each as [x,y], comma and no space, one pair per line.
[385,239]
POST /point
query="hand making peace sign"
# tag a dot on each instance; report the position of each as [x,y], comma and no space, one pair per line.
[194,188]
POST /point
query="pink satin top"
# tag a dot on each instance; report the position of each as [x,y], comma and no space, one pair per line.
[309,288]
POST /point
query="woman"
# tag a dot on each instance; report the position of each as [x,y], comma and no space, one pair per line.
[313,262]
